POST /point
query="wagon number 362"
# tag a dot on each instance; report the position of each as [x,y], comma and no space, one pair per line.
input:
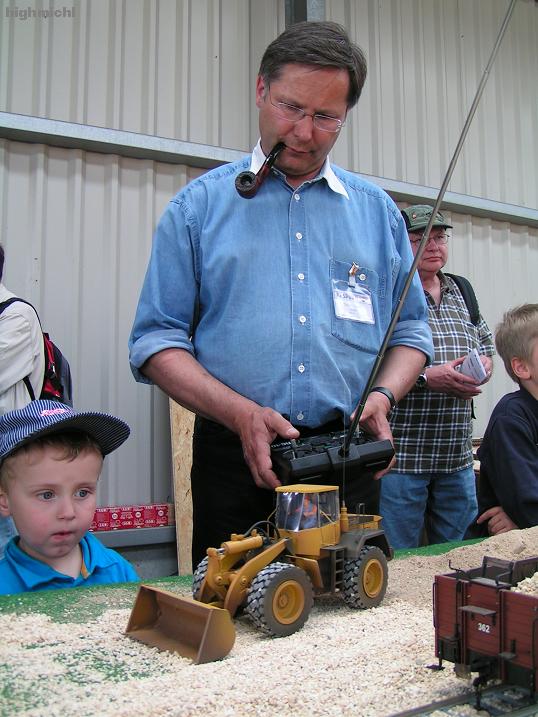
[482,627]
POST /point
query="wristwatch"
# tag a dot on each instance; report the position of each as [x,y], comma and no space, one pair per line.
[421,381]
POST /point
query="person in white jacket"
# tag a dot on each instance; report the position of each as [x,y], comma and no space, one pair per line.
[21,356]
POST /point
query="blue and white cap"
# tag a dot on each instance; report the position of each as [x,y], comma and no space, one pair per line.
[40,418]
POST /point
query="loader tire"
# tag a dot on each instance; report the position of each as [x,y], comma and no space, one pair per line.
[199,577]
[280,599]
[365,579]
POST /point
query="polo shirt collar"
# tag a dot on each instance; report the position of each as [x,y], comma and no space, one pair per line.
[326,172]
[34,573]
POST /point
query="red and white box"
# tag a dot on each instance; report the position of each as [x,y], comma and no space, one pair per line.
[122,517]
[101,519]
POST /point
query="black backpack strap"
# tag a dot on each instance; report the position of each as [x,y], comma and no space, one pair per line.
[29,388]
[12,300]
[467,291]
[3,306]
[8,302]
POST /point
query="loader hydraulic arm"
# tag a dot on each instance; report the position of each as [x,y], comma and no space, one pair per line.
[244,575]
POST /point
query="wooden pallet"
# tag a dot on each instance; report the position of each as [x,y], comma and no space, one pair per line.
[181,428]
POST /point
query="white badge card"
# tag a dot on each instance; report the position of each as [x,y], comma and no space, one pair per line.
[352,302]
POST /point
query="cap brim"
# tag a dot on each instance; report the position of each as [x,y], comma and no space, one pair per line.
[107,431]
[441,225]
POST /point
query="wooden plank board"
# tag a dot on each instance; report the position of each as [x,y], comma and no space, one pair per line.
[181,428]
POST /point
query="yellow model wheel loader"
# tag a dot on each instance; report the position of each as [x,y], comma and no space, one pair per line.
[313,547]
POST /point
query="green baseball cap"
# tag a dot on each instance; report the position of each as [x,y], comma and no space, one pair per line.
[418,215]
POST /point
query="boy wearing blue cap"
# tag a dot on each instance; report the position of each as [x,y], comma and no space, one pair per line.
[50,461]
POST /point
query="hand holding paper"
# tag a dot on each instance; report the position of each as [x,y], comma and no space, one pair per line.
[473,367]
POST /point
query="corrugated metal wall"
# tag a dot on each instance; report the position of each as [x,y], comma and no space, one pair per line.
[173,68]
[77,225]
[187,70]
[426,58]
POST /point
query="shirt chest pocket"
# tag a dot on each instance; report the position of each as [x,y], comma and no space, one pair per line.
[357,301]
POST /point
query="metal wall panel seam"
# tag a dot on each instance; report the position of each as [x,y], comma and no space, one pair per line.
[28,128]
[23,128]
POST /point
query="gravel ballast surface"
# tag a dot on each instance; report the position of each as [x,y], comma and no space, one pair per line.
[370,663]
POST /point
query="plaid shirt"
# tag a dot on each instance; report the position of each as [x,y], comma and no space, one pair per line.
[433,431]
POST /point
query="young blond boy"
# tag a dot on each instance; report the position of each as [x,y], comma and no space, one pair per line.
[508,492]
[50,461]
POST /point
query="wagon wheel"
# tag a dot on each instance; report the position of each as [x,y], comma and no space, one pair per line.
[365,579]
[280,599]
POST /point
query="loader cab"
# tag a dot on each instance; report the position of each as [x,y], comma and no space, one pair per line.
[309,515]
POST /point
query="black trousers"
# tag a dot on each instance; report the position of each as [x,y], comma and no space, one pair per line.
[224,496]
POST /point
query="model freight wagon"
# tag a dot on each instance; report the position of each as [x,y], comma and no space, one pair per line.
[483,626]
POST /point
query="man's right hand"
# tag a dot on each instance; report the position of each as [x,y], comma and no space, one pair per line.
[181,376]
[257,430]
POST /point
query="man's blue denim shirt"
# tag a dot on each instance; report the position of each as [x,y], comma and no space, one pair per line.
[246,286]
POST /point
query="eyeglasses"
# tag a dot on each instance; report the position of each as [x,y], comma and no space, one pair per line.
[438,239]
[296,114]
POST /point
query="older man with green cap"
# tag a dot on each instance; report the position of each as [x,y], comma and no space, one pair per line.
[432,484]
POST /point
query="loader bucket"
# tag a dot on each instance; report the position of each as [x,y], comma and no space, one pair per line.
[165,620]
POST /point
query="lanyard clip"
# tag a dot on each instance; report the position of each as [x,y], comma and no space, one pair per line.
[351,273]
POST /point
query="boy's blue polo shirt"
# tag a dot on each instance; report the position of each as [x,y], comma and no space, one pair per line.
[19,572]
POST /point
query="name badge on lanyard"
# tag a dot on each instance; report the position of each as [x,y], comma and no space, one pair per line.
[352,301]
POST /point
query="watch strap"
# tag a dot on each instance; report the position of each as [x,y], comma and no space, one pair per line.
[386,392]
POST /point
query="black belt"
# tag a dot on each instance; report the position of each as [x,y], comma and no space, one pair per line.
[329,427]
[202,424]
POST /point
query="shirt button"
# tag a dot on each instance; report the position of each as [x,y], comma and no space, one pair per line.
[302,319]
[301,368]
[300,276]
[296,197]
[299,236]
[300,416]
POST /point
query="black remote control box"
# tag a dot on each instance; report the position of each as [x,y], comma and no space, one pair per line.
[311,459]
